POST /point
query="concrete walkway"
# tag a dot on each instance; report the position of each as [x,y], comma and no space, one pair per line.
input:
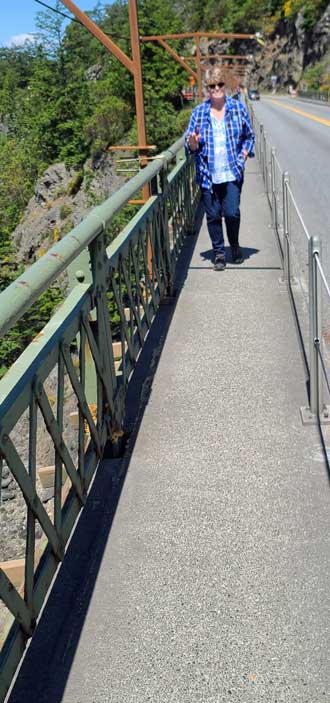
[210,583]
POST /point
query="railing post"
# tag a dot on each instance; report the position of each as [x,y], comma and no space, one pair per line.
[273,188]
[317,411]
[265,162]
[165,237]
[286,242]
[99,266]
[261,155]
[315,329]
[79,271]
[190,210]
[274,209]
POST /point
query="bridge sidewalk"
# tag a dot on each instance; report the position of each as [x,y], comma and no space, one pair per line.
[214,580]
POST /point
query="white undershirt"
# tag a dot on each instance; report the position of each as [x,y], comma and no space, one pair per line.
[222,172]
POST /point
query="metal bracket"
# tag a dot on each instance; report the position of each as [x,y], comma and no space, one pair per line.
[309,418]
[283,283]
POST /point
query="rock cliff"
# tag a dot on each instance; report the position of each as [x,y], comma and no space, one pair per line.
[291,50]
[62,198]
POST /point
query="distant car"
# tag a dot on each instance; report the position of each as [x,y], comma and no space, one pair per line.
[254,94]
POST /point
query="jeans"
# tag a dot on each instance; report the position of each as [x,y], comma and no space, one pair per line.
[224,201]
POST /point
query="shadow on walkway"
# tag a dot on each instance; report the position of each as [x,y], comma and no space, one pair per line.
[52,650]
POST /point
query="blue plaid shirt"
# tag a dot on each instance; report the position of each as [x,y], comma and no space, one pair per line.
[239,137]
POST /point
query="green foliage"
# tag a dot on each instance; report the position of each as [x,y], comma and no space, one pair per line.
[109,122]
[161,126]
[65,211]
[163,76]
[313,76]
[249,15]
[181,121]
[16,183]
[228,15]
[121,220]
[311,10]
[18,338]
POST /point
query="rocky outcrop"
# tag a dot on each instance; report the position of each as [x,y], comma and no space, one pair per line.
[95,72]
[62,198]
[283,58]
[286,53]
[291,50]
[319,46]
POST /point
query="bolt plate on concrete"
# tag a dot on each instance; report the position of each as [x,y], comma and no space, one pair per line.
[309,418]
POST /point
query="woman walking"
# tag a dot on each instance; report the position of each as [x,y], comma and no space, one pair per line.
[221,136]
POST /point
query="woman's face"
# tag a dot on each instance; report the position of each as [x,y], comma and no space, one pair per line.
[216,91]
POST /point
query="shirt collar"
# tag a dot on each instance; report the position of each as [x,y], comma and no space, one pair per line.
[229,105]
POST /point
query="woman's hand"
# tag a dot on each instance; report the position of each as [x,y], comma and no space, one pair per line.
[194,139]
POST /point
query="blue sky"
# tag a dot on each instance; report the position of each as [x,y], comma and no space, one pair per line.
[17,18]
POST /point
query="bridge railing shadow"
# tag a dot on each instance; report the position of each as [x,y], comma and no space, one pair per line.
[54,645]
[87,353]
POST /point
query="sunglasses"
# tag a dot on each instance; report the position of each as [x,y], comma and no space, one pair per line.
[213,86]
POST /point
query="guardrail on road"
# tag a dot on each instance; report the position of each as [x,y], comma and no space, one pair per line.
[321,96]
[297,246]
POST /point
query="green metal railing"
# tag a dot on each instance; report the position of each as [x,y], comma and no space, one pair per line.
[124,282]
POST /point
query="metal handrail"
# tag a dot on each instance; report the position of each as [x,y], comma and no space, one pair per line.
[317,410]
[321,97]
[322,274]
[300,217]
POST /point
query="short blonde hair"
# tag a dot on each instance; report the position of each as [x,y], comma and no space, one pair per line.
[214,75]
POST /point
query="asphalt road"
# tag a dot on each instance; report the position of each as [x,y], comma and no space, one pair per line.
[302,142]
[300,132]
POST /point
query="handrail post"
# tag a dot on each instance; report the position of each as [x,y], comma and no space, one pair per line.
[273,187]
[315,327]
[261,155]
[317,412]
[189,203]
[274,209]
[265,162]
[100,273]
[286,243]
[165,235]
